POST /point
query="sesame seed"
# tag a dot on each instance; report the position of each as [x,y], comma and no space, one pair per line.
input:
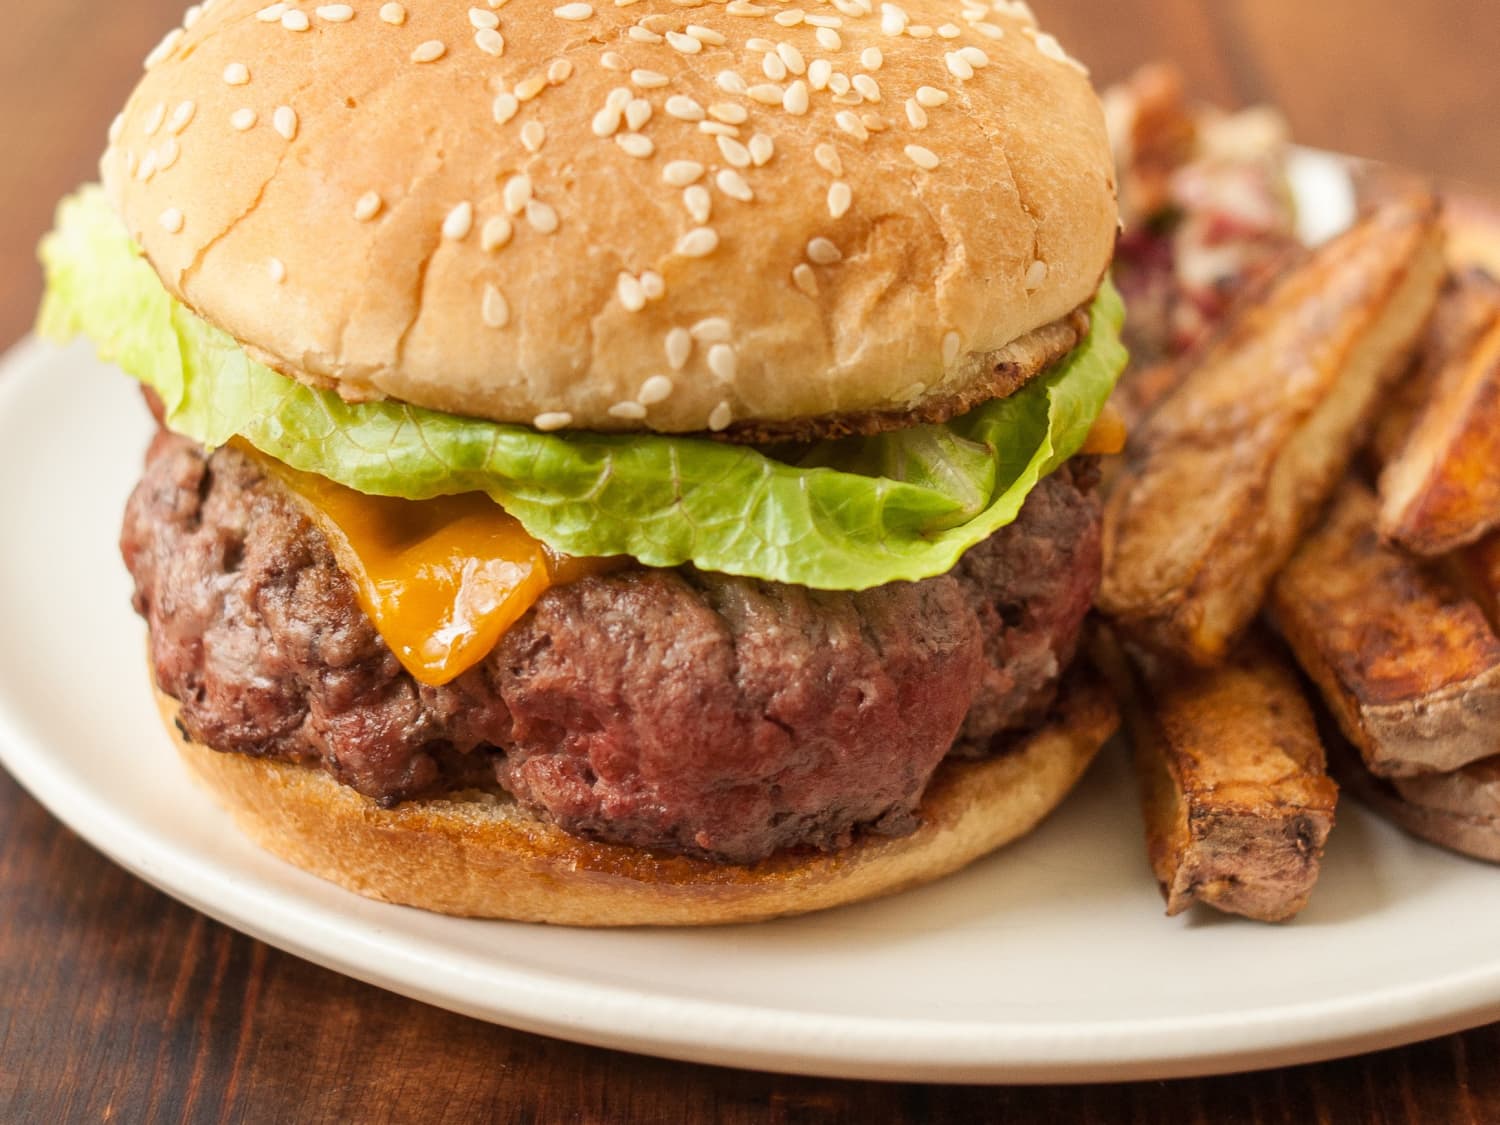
[517,193]
[635,144]
[116,128]
[242,120]
[919,31]
[165,49]
[822,252]
[796,99]
[618,98]
[805,279]
[1036,275]
[730,82]
[629,411]
[553,419]
[723,361]
[951,344]
[719,420]
[680,173]
[276,270]
[791,58]
[761,149]
[459,222]
[637,113]
[871,58]
[643,35]
[929,97]
[393,14]
[368,206]
[773,68]
[922,157]
[684,108]
[284,121]
[818,73]
[154,119]
[990,30]
[533,136]
[606,122]
[684,43]
[147,167]
[916,114]
[236,74]
[729,113]
[839,83]
[948,31]
[656,389]
[712,330]
[559,71]
[480,18]
[296,20]
[828,39]
[172,221]
[336,13]
[974,57]
[628,289]
[530,87]
[430,51]
[840,197]
[271,13]
[732,184]
[699,203]
[718,129]
[679,345]
[828,159]
[192,16]
[893,20]
[734,152]
[760,45]
[699,242]
[653,285]
[504,107]
[182,116]
[766,93]
[613,60]
[789,18]
[867,87]
[958,66]
[823,21]
[744,8]
[705,35]
[574,12]
[852,125]
[495,233]
[650,79]
[490,41]
[541,216]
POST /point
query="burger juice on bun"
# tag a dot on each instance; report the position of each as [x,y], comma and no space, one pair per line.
[619,463]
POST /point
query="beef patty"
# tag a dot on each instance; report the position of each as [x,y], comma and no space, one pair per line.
[713,716]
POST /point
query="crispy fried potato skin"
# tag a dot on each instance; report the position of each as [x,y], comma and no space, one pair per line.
[1233,781]
[1405,659]
[1230,471]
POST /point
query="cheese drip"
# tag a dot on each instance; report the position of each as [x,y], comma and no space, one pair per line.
[441,580]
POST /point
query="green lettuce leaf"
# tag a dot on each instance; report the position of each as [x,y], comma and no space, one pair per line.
[851,514]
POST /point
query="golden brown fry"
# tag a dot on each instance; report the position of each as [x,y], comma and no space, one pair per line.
[1228,473]
[1233,781]
[1406,661]
[1469,306]
[1442,491]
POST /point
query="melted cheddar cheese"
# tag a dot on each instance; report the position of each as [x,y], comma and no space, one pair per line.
[441,580]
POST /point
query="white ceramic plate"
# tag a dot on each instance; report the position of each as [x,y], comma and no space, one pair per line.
[1049,962]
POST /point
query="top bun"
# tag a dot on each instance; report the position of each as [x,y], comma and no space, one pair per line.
[623,214]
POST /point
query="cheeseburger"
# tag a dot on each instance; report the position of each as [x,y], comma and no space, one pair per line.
[619,462]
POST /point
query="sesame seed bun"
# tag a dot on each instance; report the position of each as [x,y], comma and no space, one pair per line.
[483,856]
[644,216]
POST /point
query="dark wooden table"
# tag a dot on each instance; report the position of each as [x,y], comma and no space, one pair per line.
[118,1004]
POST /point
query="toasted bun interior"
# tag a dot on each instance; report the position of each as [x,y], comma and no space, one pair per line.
[639,217]
[483,856]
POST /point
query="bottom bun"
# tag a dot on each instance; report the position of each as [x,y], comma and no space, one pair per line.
[482,855]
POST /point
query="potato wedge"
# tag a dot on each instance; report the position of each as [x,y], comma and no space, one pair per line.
[1459,811]
[1442,490]
[1228,473]
[1406,660]
[1468,308]
[1233,782]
